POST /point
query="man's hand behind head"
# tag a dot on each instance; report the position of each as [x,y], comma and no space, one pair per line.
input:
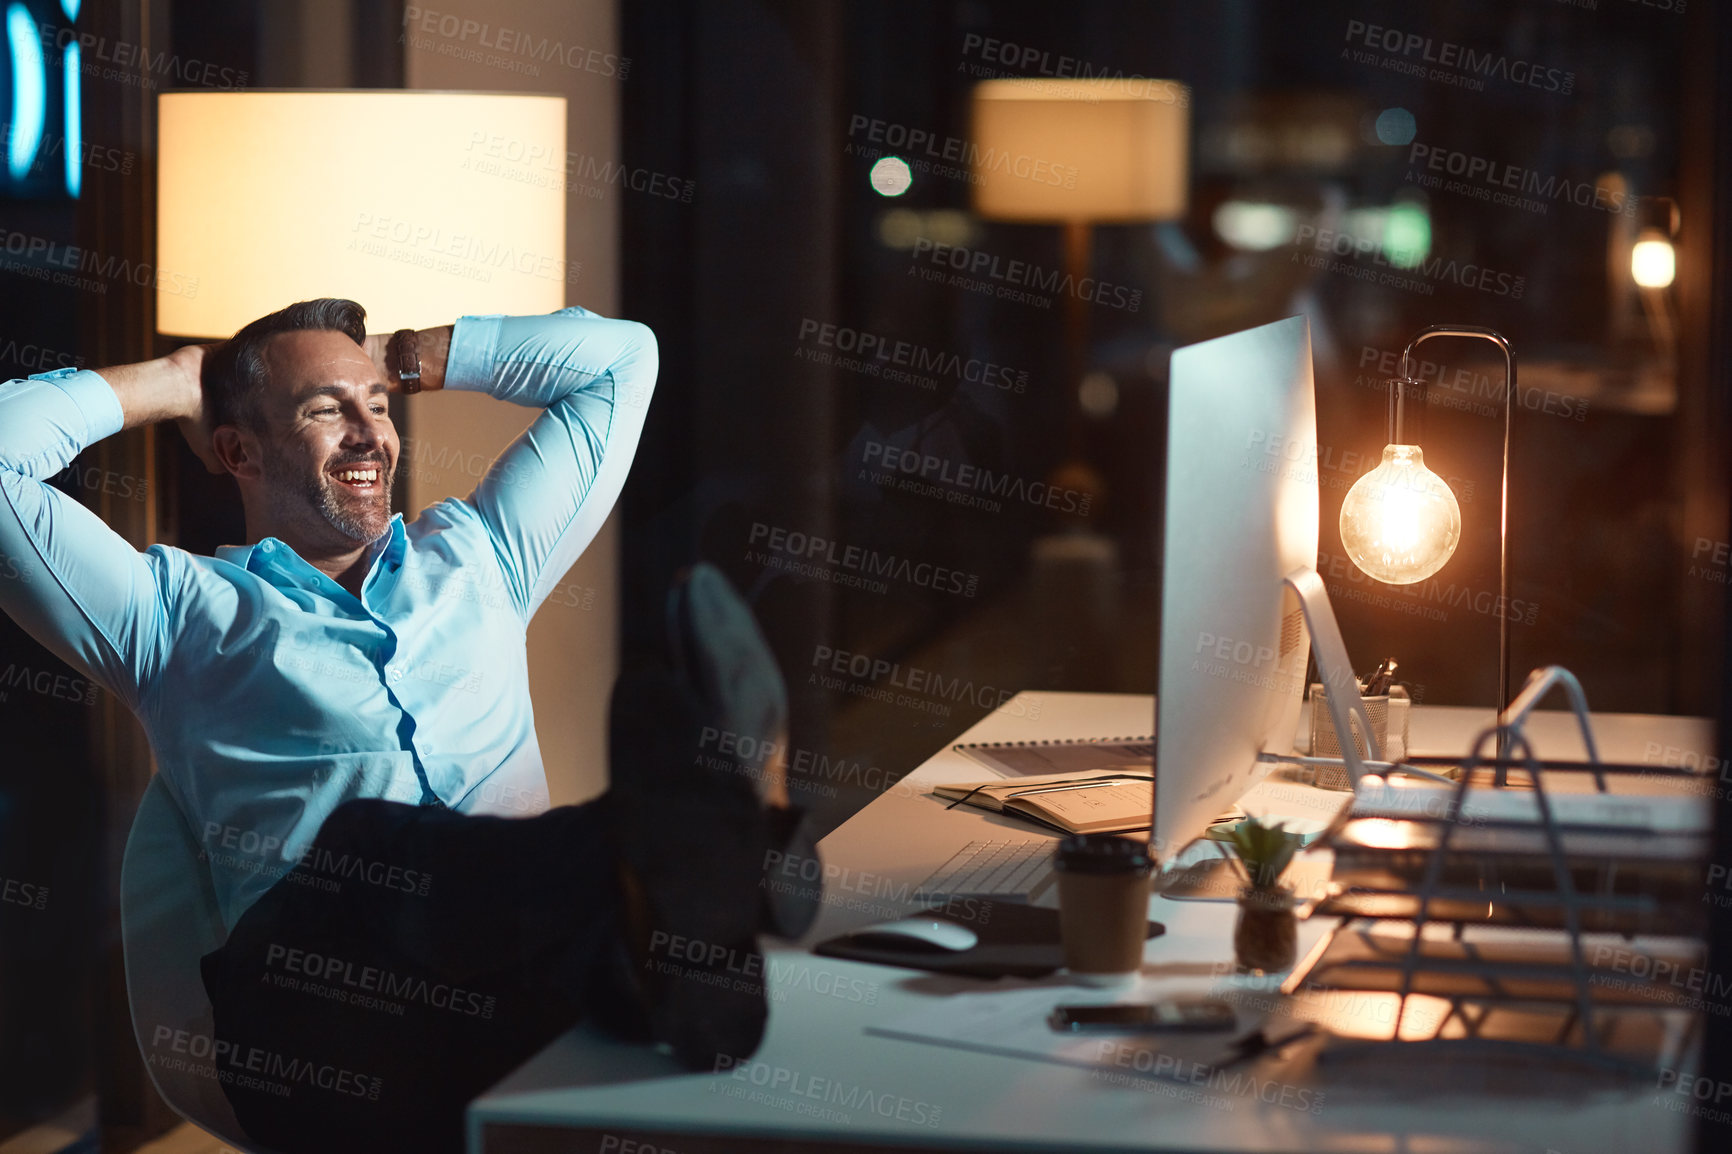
[191,360]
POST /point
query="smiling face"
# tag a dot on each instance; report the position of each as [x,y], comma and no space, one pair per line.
[327,451]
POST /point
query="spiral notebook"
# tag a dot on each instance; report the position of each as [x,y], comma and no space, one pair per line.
[1075,755]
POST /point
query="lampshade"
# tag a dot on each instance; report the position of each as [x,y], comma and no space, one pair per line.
[1080,150]
[422,206]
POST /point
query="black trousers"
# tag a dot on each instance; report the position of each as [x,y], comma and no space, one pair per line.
[369,998]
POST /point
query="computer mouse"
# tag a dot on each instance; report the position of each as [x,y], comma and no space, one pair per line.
[918,935]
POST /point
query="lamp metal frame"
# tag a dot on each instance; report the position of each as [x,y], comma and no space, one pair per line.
[1397,416]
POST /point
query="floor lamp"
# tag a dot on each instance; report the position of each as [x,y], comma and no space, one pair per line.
[422,206]
[1079,153]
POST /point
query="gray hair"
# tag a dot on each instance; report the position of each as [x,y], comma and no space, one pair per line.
[235,373]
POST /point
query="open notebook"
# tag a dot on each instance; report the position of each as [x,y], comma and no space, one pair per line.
[1108,800]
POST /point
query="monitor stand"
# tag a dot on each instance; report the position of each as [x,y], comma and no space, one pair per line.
[1214,879]
[1335,672]
[1219,878]
[1211,879]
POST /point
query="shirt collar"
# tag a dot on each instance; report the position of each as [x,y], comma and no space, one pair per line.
[392,544]
[257,558]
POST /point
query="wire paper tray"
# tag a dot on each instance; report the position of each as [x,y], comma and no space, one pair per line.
[1509,966]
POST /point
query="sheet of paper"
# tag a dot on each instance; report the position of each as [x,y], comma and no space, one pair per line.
[1081,808]
[1011,1020]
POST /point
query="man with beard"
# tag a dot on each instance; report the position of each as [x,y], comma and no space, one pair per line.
[341,710]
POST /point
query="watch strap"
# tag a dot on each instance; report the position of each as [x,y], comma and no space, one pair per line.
[403,360]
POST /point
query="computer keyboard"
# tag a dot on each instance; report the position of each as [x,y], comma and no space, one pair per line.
[1011,871]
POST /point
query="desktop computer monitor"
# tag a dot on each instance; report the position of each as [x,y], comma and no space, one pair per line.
[1241,513]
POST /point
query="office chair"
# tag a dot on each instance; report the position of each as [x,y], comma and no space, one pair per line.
[169,919]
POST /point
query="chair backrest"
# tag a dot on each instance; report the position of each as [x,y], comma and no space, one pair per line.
[169,919]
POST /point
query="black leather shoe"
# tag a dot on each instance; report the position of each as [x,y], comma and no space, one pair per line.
[690,844]
[704,862]
[718,652]
[715,650]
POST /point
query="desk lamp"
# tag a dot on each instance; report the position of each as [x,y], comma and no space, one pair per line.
[422,206]
[1400,523]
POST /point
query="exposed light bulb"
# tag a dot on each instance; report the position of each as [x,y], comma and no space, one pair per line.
[1400,523]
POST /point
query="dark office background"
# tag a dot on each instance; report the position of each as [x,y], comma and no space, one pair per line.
[1615,475]
[754,102]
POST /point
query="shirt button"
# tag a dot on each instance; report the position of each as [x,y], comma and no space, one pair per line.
[267,546]
[395,674]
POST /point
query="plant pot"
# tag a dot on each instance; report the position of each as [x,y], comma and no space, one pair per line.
[1266,939]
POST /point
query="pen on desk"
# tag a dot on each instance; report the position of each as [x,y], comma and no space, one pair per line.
[1075,783]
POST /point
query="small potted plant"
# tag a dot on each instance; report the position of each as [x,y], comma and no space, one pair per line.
[1266,939]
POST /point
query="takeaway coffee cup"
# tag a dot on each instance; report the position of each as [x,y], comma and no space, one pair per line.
[1103,906]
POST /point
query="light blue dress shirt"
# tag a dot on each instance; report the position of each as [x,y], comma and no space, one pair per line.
[271,694]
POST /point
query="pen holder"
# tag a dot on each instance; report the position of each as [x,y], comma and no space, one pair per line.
[1388,714]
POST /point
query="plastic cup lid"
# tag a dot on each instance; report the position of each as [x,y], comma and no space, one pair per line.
[1096,853]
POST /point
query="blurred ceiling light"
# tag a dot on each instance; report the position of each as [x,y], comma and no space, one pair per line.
[902,228]
[1254,226]
[1402,230]
[1098,395]
[1406,233]
[1366,220]
[1248,146]
[891,176]
[1653,264]
[1396,126]
[1280,131]
[899,228]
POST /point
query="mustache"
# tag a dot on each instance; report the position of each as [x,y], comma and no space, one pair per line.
[351,463]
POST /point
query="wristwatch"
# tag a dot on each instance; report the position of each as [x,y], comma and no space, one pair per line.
[403,358]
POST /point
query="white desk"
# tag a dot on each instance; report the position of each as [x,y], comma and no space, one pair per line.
[586,1093]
